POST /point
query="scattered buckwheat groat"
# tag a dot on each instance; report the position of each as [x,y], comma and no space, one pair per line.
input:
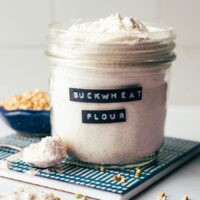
[51,194]
[35,100]
[137,172]
[164,197]
[185,197]
[57,198]
[77,195]
[115,178]
[123,180]
[102,169]
[119,176]
[162,194]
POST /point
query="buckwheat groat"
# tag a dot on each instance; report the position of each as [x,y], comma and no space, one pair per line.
[35,100]
[108,88]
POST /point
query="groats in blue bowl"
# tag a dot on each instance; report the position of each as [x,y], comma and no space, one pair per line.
[30,122]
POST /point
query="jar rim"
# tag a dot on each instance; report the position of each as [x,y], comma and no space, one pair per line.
[127,48]
[81,64]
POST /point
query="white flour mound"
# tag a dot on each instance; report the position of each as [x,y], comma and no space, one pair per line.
[46,153]
[111,29]
[26,193]
[48,149]
[112,24]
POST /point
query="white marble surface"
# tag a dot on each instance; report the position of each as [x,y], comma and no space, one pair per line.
[182,121]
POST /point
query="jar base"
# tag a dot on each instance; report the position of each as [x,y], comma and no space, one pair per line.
[147,160]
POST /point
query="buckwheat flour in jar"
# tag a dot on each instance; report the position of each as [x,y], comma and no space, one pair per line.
[108,87]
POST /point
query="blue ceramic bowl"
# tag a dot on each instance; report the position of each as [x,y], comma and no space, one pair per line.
[30,122]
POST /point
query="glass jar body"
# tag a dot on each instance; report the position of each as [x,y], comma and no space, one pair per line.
[136,139]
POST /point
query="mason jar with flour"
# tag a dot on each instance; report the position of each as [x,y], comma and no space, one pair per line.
[108,89]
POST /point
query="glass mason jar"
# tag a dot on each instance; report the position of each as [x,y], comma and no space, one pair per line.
[108,99]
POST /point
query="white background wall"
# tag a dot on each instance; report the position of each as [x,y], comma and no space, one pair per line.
[23,27]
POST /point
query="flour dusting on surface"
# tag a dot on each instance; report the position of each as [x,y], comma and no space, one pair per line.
[25,192]
[4,164]
[32,172]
